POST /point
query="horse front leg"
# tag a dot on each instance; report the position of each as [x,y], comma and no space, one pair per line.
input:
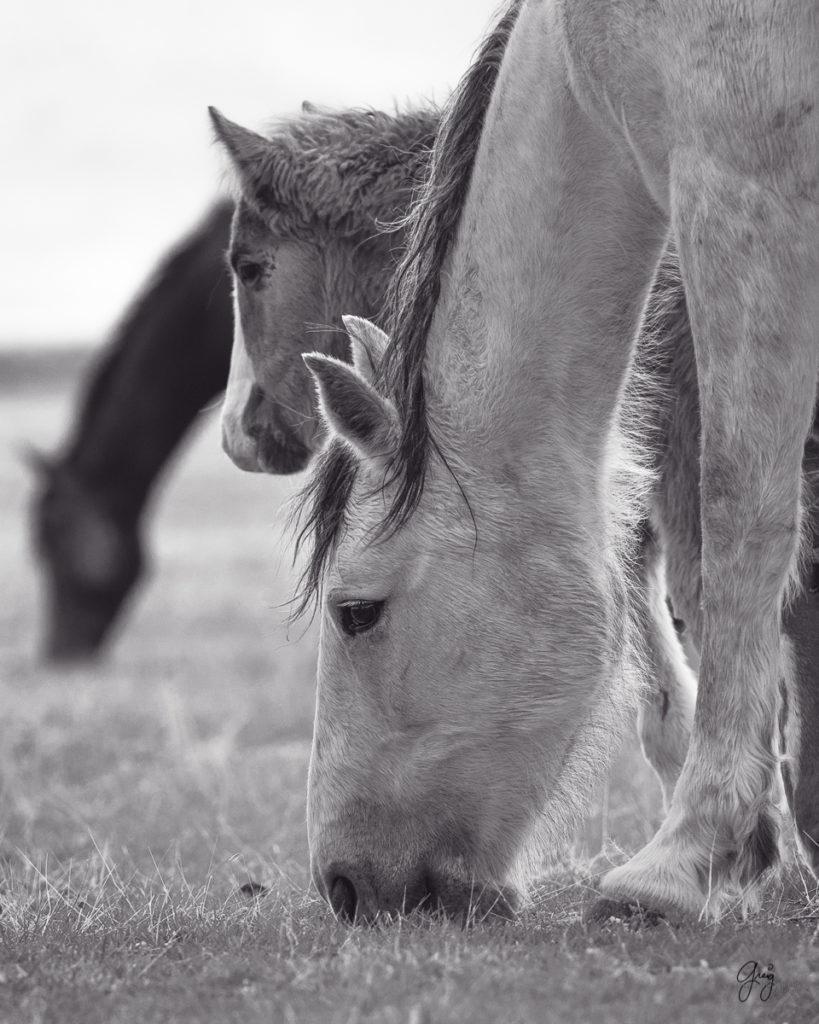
[662,397]
[750,265]
[666,713]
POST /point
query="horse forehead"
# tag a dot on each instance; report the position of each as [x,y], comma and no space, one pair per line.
[250,229]
[406,557]
[367,558]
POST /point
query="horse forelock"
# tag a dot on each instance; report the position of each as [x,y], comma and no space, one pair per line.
[415,289]
[320,512]
[350,172]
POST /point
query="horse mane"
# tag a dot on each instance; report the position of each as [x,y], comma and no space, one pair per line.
[412,296]
[415,288]
[350,173]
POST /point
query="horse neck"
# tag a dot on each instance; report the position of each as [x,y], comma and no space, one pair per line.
[166,362]
[531,338]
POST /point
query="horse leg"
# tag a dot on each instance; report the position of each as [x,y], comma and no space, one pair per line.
[676,511]
[665,715]
[750,266]
[676,496]
[659,398]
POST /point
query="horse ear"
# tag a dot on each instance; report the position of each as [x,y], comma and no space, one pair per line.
[309,108]
[352,408]
[249,152]
[368,344]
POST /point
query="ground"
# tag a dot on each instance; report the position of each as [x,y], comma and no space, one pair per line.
[146,799]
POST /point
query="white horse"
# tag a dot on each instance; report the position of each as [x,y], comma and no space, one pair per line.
[478,636]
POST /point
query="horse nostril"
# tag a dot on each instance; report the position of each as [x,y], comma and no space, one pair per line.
[343,898]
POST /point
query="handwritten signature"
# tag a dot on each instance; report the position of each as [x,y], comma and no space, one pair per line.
[750,975]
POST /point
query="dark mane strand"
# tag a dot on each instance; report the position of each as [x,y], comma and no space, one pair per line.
[320,510]
[415,288]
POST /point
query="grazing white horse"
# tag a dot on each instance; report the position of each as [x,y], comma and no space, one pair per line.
[477,630]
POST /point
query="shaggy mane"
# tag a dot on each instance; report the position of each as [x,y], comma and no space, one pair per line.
[348,172]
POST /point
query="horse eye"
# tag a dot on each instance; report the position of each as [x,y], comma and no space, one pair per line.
[249,273]
[360,616]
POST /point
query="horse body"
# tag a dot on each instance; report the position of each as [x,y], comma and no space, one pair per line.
[471,683]
[140,401]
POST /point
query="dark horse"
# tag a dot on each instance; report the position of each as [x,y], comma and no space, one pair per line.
[349,174]
[168,359]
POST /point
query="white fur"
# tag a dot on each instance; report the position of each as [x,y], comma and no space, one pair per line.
[489,700]
[235,442]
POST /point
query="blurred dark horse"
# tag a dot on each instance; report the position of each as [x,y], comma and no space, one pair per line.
[167,360]
[343,177]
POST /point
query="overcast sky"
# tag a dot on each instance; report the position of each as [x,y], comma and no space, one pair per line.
[107,153]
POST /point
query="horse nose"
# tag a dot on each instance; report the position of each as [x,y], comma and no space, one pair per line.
[356,896]
[349,893]
[343,898]
[239,448]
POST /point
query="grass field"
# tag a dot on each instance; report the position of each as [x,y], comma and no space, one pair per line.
[143,799]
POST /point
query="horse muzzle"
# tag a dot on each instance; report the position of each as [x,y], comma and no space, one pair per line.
[278,452]
[258,440]
[239,448]
[359,894]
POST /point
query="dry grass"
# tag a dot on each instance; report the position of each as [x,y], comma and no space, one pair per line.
[139,798]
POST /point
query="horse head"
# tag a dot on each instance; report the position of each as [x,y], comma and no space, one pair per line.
[308,244]
[91,561]
[421,789]
[269,421]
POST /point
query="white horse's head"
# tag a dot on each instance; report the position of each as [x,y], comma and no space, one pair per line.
[456,702]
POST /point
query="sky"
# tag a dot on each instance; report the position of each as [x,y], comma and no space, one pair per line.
[107,152]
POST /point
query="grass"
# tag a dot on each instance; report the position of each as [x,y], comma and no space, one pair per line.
[145,800]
